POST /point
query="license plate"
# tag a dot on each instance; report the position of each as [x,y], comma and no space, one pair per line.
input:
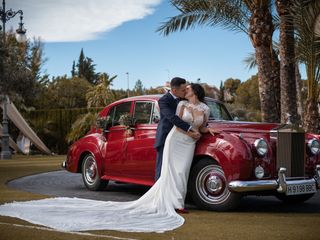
[302,188]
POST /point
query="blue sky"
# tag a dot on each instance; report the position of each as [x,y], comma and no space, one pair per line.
[131,43]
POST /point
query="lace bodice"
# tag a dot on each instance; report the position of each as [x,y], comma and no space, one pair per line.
[195,115]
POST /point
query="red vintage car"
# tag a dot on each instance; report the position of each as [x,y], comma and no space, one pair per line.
[245,158]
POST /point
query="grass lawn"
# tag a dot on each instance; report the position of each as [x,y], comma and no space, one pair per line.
[199,224]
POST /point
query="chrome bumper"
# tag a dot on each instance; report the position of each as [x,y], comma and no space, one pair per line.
[280,184]
[64,164]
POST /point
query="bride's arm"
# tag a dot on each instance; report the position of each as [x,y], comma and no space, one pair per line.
[204,128]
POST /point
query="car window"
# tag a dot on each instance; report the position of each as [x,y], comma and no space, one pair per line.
[143,112]
[155,115]
[110,117]
[119,112]
[218,111]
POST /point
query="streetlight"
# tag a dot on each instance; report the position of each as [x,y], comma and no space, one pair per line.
[128,83]
[5,16]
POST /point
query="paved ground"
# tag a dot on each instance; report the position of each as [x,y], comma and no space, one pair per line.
[65,184]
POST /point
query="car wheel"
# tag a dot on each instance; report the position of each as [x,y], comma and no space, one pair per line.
[90,174]
[294,199]
[208,187]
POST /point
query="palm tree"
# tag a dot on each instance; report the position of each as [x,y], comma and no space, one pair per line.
[250,62]
[81,126]
[100,95]
[287,62]
[252,17]
[97,96]
[306,16]
[299,86]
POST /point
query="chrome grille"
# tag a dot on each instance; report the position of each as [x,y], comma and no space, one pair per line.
[291,150]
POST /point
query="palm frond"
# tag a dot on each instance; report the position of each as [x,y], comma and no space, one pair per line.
[306,25]
[306,14]
[276,47]
[276,21]
[232,15]
[317,27]
[250,61]
[81,126]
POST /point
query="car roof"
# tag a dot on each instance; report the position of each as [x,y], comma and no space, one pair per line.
[155,97]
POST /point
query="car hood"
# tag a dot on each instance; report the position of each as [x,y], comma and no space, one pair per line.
[243,127]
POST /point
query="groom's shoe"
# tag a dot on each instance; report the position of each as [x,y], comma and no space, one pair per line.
[182,211]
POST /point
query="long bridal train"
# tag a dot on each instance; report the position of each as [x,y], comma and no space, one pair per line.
[75,214]
[153,212]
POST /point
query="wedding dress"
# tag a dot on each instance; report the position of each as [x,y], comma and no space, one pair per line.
[153,212]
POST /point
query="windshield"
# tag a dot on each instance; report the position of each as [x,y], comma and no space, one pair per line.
[218,111]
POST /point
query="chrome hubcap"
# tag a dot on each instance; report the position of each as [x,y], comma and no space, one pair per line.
[90,170]
[211,185]
[214,184]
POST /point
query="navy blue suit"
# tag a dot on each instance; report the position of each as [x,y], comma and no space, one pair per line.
[168,118]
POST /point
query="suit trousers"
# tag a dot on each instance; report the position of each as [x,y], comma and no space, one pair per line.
[159,162]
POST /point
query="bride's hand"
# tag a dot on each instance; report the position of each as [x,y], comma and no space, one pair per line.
[213,131]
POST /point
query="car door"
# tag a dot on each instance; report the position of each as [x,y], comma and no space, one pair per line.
[141,155]
[115,150]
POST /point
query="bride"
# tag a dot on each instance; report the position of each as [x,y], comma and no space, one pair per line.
[154,211]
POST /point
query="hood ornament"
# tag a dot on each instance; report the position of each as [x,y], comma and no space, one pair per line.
[288,118]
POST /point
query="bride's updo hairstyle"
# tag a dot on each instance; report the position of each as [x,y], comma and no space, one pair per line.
[198,90]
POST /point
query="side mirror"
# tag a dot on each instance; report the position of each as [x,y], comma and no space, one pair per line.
[156,119]
[103,123]
[234,117]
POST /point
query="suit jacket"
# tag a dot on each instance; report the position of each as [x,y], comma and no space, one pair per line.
[168,118]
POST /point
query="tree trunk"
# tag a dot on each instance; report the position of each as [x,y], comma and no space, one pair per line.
[287,64]
[311,119]
[299,93]
[260,32]
[276,82]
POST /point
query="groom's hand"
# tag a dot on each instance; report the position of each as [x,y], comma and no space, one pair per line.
[194,134]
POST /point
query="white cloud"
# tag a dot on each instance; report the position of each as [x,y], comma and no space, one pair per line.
[78,20]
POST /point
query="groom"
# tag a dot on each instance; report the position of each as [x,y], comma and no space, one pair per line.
[168,118]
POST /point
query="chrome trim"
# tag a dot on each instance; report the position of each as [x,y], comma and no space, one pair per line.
[90,170]
[211,185]
[317,177]
[257,142]
[256,171]
[310,145]
[282,180]
[249,186]
[280,184]
[214,184]
[64,164]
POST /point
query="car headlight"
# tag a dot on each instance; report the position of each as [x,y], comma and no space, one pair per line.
[261,147]
[314,146]
[259,172]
